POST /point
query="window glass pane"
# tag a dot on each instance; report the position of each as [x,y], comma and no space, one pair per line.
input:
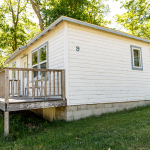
[25,64]
[34,58]
[14,66]
[43,66]
[43,53]
[35,72]
[137,61]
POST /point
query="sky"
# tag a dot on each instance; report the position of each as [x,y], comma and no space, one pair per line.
[114,10]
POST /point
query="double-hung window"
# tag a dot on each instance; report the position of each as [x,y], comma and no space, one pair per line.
[136,56]
[39,58]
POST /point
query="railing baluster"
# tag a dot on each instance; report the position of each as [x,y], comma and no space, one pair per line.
[33,88]
[45,84]
[58,81]
[13,83]
[41,83]
[37,83]
[18,85]
[54,80]
[27,83]
[23,83]
[49,82]
[63,85]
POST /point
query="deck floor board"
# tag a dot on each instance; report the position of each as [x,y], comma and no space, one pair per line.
[16,104]
[20,100]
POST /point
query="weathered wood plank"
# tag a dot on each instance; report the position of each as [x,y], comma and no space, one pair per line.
[41,83]
[63,84]
[6,86]
[49,82]
[32,69]
[58,82]
[27,83]
[2,106]
[33,87]
[13,83]
[35,105]
[37,84]
[23,83]
[18,85]
[45,84]
[6,123]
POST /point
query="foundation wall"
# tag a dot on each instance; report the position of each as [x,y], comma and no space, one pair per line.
[76,112]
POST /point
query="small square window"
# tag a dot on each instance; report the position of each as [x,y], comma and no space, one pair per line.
[136,56]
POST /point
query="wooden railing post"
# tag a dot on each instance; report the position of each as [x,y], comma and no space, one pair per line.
[6,113]
[6,86]
[63,84]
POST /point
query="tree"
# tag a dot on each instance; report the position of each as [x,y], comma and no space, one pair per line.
[36,8]
[136,19]
[92,11]
[15,27]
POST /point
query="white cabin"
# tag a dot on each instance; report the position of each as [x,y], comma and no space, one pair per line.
[105,70]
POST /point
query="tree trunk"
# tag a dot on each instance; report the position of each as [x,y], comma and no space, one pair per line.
[36,9]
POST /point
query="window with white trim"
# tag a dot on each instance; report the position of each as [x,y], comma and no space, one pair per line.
[39,58]
[136,55]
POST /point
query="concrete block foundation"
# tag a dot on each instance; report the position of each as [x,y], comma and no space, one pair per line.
[82,111]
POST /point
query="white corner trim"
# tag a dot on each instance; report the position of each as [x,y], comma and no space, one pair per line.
[66,61]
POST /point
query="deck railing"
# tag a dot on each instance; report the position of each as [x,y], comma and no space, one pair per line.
[32,83]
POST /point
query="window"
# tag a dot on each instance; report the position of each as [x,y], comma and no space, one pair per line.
[14,66]
[39,58]
[136,55]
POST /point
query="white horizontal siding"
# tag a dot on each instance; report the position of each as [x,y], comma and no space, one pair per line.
[55,39]
[101,72]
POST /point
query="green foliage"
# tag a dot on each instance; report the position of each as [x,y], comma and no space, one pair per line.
[3,57]
[136,19]
[16,29]
[92,11]
[43,54]
[128,129]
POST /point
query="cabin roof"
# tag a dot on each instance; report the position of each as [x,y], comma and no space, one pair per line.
[64,18]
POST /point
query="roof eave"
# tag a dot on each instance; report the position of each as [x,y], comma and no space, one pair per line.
[77,22]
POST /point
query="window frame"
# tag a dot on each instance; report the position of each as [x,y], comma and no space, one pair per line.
[38,51]
[132,57]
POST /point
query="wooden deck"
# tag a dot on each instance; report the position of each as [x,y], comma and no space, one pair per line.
[27,104]
[28,88]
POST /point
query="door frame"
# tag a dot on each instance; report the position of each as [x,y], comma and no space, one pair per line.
[23,58]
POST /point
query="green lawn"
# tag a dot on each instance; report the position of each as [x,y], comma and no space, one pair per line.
[129,129]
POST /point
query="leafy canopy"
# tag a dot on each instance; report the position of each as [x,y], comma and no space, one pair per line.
[136,19]
[92,11]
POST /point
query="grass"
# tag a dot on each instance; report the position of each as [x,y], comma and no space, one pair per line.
[128,129]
